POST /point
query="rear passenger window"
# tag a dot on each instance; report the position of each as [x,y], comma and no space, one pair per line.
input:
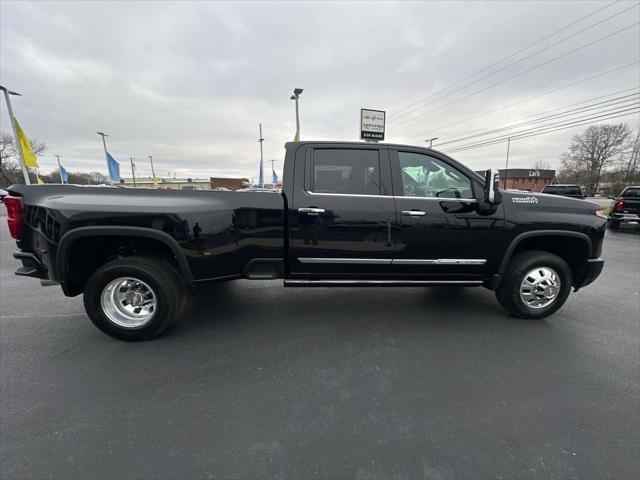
[631,193]
[346,171]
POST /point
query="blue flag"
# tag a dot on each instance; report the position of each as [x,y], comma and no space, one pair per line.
[64,176]
[274,176]
[114,168]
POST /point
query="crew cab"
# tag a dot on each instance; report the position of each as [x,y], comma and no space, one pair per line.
[626,208]
[350,214]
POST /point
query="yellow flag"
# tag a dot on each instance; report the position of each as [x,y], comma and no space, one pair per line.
[155,182]
[296,138]
[30,159]
[40,181]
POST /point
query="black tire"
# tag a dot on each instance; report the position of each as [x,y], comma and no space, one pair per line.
[508,292]
[614,224]
[164,283]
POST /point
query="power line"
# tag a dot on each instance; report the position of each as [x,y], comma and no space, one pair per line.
[504,58]
[548,92]
[511,55]
[619,101]
[522,59]
[548,129]
[521,73]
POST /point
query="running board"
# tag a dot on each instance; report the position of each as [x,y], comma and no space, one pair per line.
[379,283]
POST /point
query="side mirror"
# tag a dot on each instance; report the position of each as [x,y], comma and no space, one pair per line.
[491,193]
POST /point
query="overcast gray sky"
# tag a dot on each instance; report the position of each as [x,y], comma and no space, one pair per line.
[189,82]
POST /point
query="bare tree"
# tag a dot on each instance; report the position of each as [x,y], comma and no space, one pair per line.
[542,165]
[593,150]
[10,169]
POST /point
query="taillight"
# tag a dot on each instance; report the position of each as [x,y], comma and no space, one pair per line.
[15,215]
[619,206]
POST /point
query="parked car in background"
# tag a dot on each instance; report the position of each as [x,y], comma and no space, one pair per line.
[3,193]
[572,191]
[626,207]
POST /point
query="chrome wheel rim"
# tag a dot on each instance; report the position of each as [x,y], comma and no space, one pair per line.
[128,302]
[540,287]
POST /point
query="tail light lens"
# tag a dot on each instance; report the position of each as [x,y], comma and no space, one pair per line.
[619,206]
[15,215]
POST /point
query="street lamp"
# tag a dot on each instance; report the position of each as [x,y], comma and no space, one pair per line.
[296,94]
[430,140]
[8,92]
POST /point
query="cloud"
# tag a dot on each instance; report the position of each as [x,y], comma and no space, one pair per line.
[189,82]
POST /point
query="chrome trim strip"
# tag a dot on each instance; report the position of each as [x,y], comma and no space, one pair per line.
[389,261]
[360,261]
[348,195]
[440,199]
[385,282]
[439,261]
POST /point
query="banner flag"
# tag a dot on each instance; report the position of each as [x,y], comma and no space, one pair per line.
[274,177]
[40,181]
[114,168]
[64,176]
[155,182]
[30,159]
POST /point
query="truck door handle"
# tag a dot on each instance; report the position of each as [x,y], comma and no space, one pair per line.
[413,213]
[311,210]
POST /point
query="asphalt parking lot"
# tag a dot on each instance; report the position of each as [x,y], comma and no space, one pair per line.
[261,382]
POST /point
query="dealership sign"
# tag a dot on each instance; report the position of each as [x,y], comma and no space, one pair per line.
[371,124]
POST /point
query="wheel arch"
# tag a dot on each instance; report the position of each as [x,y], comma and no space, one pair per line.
[152,236]
[540,240]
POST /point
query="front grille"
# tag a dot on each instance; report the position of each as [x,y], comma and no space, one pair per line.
[39,218]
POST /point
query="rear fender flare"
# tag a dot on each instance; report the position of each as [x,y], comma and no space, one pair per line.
[68,239]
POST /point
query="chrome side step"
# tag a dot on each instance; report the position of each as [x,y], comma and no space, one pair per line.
[379,283]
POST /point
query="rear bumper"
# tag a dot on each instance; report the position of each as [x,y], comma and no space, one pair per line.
[31,265]
[625,217]
[594,268]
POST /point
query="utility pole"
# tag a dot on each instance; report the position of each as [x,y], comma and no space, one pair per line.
[506,167]
[106,157]
[430,140]
[296,94]
[59,168]
[7,94]
[261,175]
[133,171]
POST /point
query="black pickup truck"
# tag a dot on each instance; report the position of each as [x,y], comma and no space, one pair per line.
[350,214]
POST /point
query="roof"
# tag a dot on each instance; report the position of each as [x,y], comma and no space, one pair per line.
[526,173]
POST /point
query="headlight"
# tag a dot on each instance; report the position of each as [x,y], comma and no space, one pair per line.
[600,213]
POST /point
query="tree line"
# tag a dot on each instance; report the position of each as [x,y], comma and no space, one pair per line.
[11,170]
[603,158]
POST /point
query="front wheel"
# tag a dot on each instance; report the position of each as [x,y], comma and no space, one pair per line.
[535,285]
[133,298]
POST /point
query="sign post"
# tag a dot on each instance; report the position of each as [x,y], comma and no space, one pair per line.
[372,125]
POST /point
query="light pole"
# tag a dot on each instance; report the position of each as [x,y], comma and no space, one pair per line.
[133,171]
[7,93]
[296,94]
[59,167]
[106,155]
[430,140]
[261,175]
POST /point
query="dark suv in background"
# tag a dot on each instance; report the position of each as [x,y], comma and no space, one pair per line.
[626,207]
[573,191]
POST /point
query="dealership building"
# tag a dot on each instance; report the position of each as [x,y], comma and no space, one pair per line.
[529,179]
